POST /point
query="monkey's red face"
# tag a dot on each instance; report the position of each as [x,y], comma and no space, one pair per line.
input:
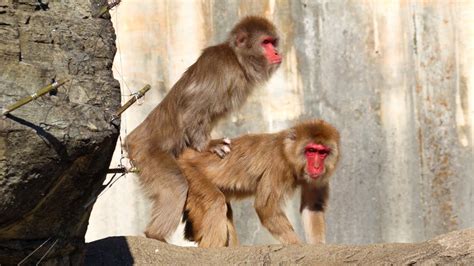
[269,45]
[315,156]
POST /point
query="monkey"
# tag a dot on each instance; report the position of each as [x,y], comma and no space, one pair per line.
[269,167]
[217,83]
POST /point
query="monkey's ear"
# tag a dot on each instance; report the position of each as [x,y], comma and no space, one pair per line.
[241,39]
[291,134]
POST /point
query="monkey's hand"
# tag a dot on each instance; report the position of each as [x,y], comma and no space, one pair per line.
[221,147]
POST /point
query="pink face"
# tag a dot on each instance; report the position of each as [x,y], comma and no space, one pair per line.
[315,156]
[271,53]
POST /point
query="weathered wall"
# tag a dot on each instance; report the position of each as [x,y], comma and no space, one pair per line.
[396,77]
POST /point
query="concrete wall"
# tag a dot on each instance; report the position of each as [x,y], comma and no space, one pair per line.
[396,78]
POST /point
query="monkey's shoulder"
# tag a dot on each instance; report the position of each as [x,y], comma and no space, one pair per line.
[219,56]
[259,138]
[253,139]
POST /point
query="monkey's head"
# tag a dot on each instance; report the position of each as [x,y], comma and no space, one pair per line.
[255,41]
[313,149]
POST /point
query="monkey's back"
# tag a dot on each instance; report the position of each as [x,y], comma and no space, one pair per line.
[219,86]
[205,93]
[239,170]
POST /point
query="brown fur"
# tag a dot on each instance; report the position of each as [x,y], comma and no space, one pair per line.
[219,81]
[269,166]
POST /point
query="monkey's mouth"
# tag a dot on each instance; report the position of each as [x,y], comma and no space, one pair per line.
[276,61]
[316,173]
[313,176]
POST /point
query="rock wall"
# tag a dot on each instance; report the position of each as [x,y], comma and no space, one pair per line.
[396,77]
[54,151]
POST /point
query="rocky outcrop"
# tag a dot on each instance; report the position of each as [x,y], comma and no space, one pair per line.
[54,151]
[452,248]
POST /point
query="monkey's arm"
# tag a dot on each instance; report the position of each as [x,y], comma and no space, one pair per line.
[269,196]
[198,134]
[200,141]
[313,204]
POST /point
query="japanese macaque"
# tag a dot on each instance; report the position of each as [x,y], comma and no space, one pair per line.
[218,82]
[270,167]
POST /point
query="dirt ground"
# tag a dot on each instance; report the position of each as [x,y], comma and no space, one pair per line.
[453,248]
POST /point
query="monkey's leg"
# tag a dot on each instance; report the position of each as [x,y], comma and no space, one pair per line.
[232,232]
[313,204]
[214,233]
[166,186]
[314,226]
[207,211]
[268,199]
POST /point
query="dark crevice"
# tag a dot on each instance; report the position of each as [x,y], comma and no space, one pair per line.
[41,6]
[415,41]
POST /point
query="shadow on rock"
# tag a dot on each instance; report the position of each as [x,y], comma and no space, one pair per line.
[108,251]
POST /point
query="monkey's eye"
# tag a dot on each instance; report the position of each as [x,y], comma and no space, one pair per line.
[267,41]
[323,153]
[315,151]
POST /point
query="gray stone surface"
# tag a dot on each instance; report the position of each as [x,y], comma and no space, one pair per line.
[55,150]
[455,248]
[396,78]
